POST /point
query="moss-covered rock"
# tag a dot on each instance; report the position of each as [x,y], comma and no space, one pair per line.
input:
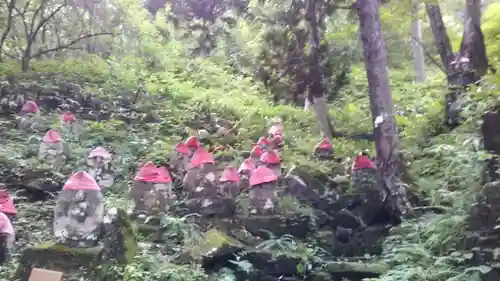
[120,239]
[60,258]
[212,239]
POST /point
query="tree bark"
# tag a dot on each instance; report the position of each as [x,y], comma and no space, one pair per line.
[440,36]
[417,48]
[316,89]
[385,130]
[472,46]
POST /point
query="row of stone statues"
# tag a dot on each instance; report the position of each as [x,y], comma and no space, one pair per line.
[80,207]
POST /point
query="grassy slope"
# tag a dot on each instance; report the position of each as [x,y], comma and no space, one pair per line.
[179,96]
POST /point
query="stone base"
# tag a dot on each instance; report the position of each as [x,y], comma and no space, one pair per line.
[60,258]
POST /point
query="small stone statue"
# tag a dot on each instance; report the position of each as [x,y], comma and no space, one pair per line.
[201,168]
[79,212]
[70,124]
[324,150]
[99,167]
[229,183]
[51,150]
[271,160]
[263,193]
[7,237]
[7,204]
[152,192]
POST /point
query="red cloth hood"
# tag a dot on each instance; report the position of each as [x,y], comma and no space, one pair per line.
[100,152]
[270,157]
[324,144]
[81,181]
[362,162]
[182,148]
[7,203]
[263,141]
[229,175]
[5,225]
[152,174]
[68,117]
[247,165]
[52,136]
[30,107]
[262,175]
[192,143]
[201,156]
[256,151]
[276,129]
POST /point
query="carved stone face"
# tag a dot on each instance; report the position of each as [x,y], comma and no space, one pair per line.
[78,217]
[151,199]
[51,149]
[229,189]
[263,198]
[325,154]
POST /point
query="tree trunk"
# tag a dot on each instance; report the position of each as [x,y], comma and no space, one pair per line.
[417,49]
[472,46]
[385,130]
[452,103]
[316,89]
[440,36]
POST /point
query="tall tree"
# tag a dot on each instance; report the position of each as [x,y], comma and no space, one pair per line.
[316,88]
[472,46]
[385,129]
[417,48]
[466,67]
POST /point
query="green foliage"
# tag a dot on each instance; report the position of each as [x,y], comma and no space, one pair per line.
[155,59]
[150,269]
[491,31]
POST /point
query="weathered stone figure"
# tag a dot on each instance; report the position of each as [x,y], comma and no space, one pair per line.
[229,182]
[99,167]
[276,130]
[79,212]
[363,171]
[276,135]
[245,171]
[7,204]
[52,149]
[180,158]
[27,114]
[369,198]
[255,154]
[201,169]
[263,142]
[271,160]
[324,150]
[263,194]
[277,141]
[7,238]
[151,193]
[192,144]
[70,124]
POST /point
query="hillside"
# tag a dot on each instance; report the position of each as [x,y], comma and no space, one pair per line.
[139,103]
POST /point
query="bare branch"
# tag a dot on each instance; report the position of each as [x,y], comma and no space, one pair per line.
[10,56]
[23,16]
[44,20]
[10,9]
[433,60]
[69,44]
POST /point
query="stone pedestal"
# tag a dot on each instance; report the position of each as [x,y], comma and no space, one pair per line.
[60,258]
